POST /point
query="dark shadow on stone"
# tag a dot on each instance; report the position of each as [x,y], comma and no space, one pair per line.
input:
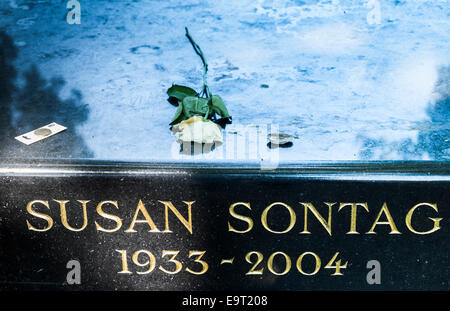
[275,146]
[434,136]
[8,74]
[34,105]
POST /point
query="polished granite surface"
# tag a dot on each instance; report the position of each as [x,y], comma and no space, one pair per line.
[349,80]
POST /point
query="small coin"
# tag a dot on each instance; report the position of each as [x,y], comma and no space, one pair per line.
[42,132]
[280,138]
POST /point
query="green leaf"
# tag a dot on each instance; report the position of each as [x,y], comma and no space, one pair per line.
[178,114]
[180,92]
[194,106]
[219,107]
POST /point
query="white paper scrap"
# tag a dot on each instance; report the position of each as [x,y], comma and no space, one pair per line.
[41,133]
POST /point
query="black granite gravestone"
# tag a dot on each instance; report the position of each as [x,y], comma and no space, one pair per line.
[149,227]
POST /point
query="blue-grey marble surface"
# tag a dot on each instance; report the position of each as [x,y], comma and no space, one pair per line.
[349,80]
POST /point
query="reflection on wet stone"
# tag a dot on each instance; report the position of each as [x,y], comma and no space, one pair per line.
[316,68]
[35,104]
[437,140]
[433,140]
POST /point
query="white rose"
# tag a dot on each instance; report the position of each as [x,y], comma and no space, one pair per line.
[197,130]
